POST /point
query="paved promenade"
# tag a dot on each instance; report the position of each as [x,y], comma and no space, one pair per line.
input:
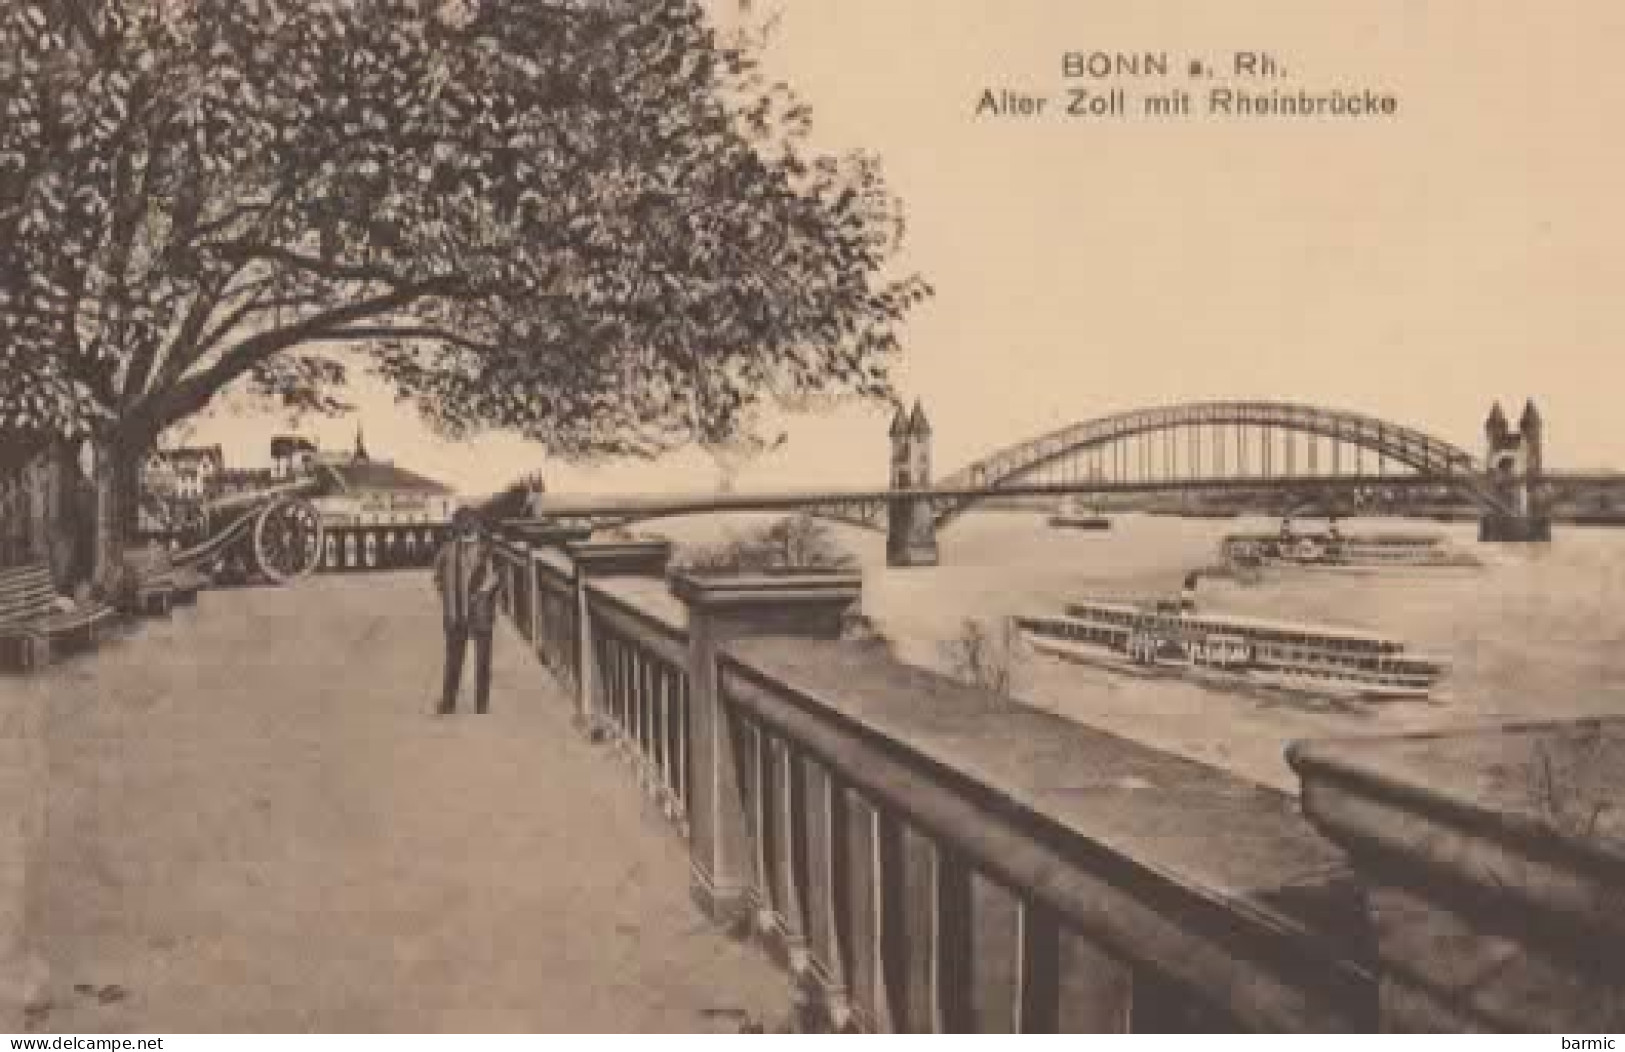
[246,818]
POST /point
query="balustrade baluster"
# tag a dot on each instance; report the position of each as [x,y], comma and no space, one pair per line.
[646,718]
[995,958]
[1038,986]
[891,1012]
[862,914]
[685,730]
[792,864]
[547,631]
[660,702]
[748,735]
[570,622]
[650,752]
[629,700]
[607,691]
[624,678]
[605,685]
[825,855]
[629,687]
[763,778]
[623,706]
[914,929]
[952,945]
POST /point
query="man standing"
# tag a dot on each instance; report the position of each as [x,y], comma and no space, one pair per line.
[467,582]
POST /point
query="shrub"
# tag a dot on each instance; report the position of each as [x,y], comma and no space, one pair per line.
[860,628]
[985,655]
[797,542]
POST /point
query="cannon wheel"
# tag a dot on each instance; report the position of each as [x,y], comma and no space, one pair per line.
[288,539]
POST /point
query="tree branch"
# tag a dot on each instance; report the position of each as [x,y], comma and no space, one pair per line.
[194,392]
[310,264]
[407,332]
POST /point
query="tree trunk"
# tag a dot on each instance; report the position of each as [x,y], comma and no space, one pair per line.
[117,485]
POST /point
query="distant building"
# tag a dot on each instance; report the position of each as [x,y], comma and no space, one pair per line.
[186,472]
[292,457]
[365,491]
[241,480]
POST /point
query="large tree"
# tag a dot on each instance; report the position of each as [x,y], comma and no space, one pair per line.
[585,220]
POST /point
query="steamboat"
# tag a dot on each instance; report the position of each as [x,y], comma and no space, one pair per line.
[1072,516]
[1336,551]
[1173,638]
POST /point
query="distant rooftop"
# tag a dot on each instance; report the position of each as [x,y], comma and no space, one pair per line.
[184,453]
[371,475]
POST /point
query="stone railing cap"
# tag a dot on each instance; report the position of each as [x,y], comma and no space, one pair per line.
[702,588]
[599,546]
[1553,781]
[547,530]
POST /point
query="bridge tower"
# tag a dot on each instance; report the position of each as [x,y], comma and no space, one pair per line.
[1515,463]
[911,530]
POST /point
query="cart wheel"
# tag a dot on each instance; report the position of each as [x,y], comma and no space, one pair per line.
[288,540]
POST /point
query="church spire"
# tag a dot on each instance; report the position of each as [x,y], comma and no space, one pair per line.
[1530,422]
[899,422]
[360,445]
[918,425]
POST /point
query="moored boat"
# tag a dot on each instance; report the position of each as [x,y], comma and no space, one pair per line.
[1333,550]
[1071,516]
[1174,638]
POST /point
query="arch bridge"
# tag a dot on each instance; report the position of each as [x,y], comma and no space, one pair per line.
[1234,445]
[1273,454]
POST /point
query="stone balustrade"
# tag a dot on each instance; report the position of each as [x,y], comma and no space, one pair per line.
[925,856]
[363,548]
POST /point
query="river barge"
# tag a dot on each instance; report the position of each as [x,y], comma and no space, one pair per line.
[1333,550]
[1174,638]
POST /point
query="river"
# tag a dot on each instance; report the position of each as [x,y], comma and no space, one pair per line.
[1538,633]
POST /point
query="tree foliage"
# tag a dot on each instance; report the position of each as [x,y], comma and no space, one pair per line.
[587,220]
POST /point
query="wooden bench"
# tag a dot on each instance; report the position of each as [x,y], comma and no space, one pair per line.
[160,584]
[31,628]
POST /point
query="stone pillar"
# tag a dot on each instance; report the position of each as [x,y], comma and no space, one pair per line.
[911,533]
[1494,866]
[1515,465]
[596,560]
[722,608]
[911,528]
[520,578]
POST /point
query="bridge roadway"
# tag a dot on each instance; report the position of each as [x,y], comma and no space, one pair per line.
[246,819]
[660,505]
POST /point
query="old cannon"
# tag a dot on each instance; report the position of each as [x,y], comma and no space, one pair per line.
[274,534]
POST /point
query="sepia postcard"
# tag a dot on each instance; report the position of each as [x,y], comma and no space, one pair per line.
[811,516]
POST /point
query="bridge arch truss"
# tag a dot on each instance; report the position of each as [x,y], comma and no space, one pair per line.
[1184,446]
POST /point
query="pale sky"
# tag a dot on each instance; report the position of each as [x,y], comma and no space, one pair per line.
[1416,268]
